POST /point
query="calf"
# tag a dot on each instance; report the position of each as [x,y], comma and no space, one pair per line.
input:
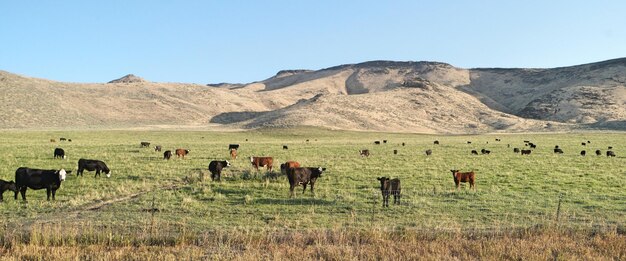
[6,185]
[610,153]
[598,153]
[59,153]
[181,153]
[559,151]
[303,176]
[144,144]
[39,179]
[91,165]
[390,187]
[262,161]
[429,152]
[474,152]
[157,148]
[364,153]
[583,153]
[287,165]
[215,167]
[516,150]
[233,154]
[526,152]
[167,154]
[464,177]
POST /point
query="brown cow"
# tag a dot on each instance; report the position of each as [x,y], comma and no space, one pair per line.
[464,177]
[233,154]
[262,161]
[287,165]
[182,152]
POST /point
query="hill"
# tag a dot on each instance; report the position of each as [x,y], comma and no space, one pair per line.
[426,97]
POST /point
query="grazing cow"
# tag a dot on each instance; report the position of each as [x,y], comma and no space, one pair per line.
[62,139]
[516,150]
[474,152]
[364,153]
[285,147]
[182,153]
[464,177]
[303,176]
[533,146]
[6,185]
[377,142]
[215,167]
[583,153]
[59,153]
[167,154]
[53,140]
[261,162]
[395,152]
[287,165]
[157,148]
[145,144]
[484,151]
[233,146]
[526,152]
[497,139]
[559,151]
[91,165]
[429,152]
[390,187]
[233,154]
[588,142]
[385,141]
[436,142]
[598,153]
[610,153]
[39,179]
[584,144]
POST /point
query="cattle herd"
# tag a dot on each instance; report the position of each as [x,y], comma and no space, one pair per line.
[51,179]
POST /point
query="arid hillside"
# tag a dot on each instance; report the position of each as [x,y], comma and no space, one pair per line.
[425,97]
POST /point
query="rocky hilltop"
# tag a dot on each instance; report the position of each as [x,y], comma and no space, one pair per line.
[425,97]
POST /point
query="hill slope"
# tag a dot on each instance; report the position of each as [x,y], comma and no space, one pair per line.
[426,97]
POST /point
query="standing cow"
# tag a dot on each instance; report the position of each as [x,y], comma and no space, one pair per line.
[262,162]
[303,176]
[39,179]
[215,167]
[59,153]
[158,148]
[91,165]
[390,187]
[6,185]
[364,153]
[167,154]
[429,152]
[464,177]
[144,144]
[181,153]
[233,154]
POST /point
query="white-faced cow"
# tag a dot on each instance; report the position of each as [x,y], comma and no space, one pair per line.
[215,167]
[303,176]
[39,179]
[390,187]
[59,153]
[91,165]
[364,153]
[6,185]
[610,153]
[158,148]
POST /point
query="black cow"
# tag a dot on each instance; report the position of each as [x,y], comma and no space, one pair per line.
[610,148]
[395,152]
[385,141]
[584,144]
[91,165]
[484,151]
[233,146]
[403,144]
[70,140]
[285,147]
[62,139]
[303,176]
[497,139]
[436,142]
[532,145]
[515,150]
[559,151]
[6,185]
[556,146]
[598,153]
[39,179]
[377,142]
[390,187]
[59,153]
[167,154]
[469,142]
[158,148]
[610,153]
[526,152]
[429,152]
[145,144]
[215,167]
[474,152]
[583,153]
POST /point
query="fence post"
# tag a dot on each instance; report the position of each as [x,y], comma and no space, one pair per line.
[558,208]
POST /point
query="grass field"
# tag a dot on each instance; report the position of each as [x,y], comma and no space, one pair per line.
[514,192]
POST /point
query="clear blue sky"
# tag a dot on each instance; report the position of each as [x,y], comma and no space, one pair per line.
[243,41]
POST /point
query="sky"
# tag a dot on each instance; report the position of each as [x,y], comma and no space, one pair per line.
[240,41]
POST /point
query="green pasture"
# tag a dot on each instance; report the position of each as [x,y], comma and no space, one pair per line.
[512,190]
